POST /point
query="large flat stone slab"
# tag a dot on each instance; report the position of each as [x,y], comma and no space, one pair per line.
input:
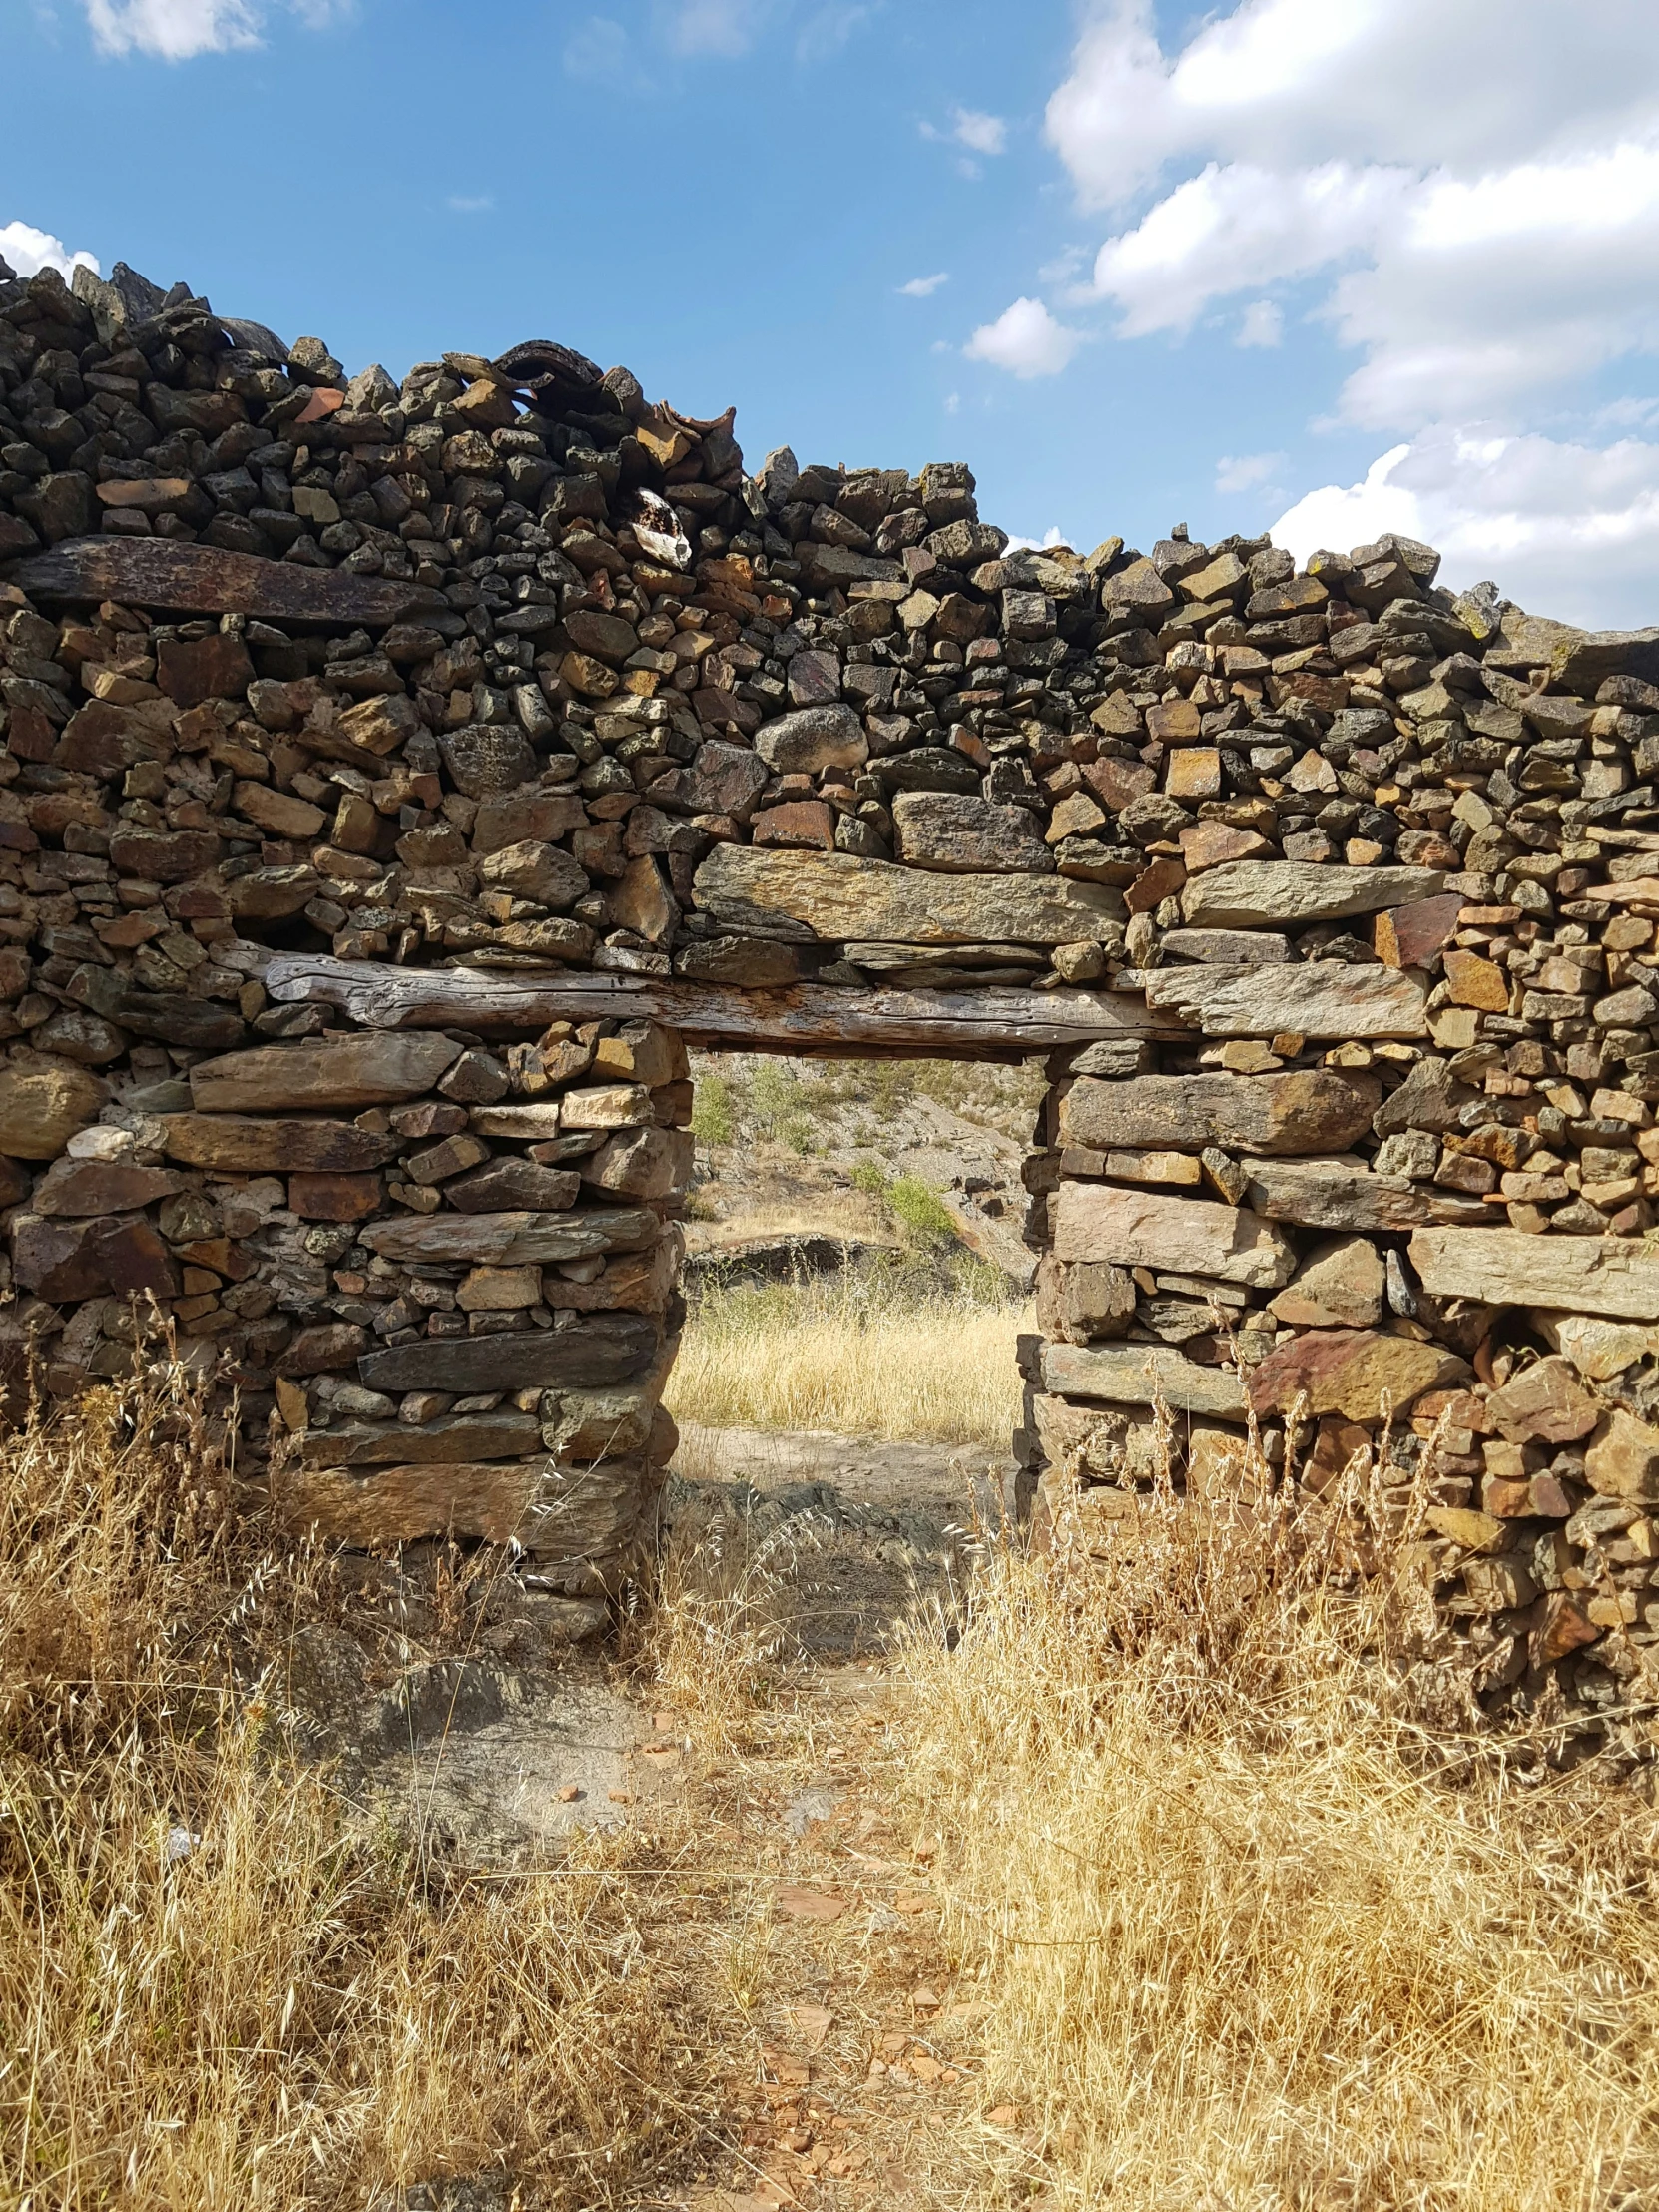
[1248,895]
[1312,998]
[354,1072]
[1362,1374]
[542,1503]
[453,1439]
[834,898]
[1615,1276]
[588,1354]
[1343,1193]
[1308,1110]
[1142,1375]
[1180,1236]
[244,1145]
[512,1239]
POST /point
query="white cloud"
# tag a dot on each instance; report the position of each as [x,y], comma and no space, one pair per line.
[1566,529]
[471,203]
[171,30]
[952,403]
[597,49]
[1025,339]
[29,251]
[1050,538]
[984,133]
[725,28]
[923,287]
[1263,323]
[178,30]
[1483,211]
[1237,472]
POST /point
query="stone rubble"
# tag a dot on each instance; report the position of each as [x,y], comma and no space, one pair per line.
[505,669]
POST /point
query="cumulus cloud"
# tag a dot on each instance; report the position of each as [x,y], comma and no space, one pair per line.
[1025,339]
[1476,250]
[1567,529]
[29,251]
[1052,537]
[1467,204]
[1237,472]
[923,287]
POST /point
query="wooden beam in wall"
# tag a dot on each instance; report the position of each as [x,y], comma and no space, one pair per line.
[204,580]
[809,1018]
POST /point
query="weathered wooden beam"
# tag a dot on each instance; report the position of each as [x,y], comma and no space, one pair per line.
[204,580]
[809,1017]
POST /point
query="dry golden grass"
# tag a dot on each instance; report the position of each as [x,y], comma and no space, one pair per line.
[1265,1923]
[858,1354]
[215,1990]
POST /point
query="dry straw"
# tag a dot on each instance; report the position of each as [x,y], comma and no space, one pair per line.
[1268,1922]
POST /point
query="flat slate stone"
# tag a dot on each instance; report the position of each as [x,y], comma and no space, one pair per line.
[247,1146]
[1184,1236]
[512,1239]
[201,579]
[1343,1193]
[356,1072]
[960,835]
[1614,1275]
[1362,1374]
[606,1347]
[1308,1110]
[1226,947]
[539,1504]
[833,896]
[72,1188]
[1312,999]
[459,1437]
[1245,894]
[1139,1375]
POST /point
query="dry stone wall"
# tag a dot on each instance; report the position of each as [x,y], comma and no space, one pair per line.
[393,774]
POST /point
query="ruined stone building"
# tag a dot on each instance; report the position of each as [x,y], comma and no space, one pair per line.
[393,778]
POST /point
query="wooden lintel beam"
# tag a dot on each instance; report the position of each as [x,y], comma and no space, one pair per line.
[179,578]
[810,1019]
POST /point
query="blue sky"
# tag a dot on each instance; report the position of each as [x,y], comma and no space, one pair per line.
[1242,267]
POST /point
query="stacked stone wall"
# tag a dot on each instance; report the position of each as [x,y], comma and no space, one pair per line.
[392,773]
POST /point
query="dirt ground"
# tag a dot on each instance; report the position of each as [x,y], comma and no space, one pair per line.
[782,1871]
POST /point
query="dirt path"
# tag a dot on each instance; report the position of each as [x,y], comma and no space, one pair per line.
[779,1872]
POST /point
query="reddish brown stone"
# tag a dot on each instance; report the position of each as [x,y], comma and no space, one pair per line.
[1173,722]
[332,1345]
[1117,783]
[79,1189]
[190,669]
[163,856]
[1410,936]
[333,1197]
[1544,1403]
[803,823]
[1562,1626]
[1351,1372]
[1161,880]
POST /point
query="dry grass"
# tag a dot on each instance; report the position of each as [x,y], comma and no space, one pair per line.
[1266,1924]
[864,1353]
[215,1990]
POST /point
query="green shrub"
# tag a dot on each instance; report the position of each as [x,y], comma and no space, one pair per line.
[916,1206]
[711,1121]
[868,1177]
